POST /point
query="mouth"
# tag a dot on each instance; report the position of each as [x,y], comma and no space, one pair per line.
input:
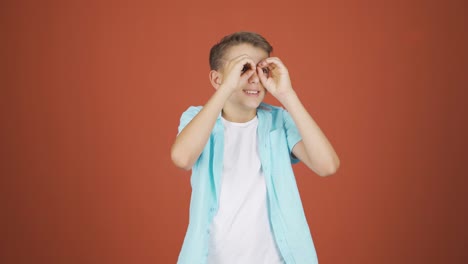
[251,92]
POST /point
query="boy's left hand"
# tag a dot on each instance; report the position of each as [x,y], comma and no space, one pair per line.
[277,80]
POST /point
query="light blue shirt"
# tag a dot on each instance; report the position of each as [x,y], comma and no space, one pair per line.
[277,135]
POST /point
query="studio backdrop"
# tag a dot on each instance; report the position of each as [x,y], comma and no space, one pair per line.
[92,93]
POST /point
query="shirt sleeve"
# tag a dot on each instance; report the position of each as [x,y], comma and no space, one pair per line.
[292,134]
[187,116]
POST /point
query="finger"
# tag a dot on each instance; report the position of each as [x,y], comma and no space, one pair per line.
[234,63]
[242,58]
[276,66]
[249,61]
[247,65]
[273,62]
[262,63]
[249,72]
[261,75]
[265,65]
[242,66]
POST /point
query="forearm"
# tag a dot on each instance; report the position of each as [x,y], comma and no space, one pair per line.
[192,139]
[320,154]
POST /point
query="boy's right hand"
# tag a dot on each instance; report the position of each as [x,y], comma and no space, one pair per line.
[236,71]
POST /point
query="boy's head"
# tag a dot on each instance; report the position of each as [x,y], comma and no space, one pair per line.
[218,51]
[250,92]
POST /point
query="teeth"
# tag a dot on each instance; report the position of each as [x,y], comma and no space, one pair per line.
[251,92]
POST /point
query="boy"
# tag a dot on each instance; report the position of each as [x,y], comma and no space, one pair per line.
[245,205]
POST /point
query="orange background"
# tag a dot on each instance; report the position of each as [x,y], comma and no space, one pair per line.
[92,92]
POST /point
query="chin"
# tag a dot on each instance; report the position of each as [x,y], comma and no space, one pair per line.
[248,103]
[252,105]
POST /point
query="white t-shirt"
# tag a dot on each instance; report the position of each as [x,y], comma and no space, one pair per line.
[240,232]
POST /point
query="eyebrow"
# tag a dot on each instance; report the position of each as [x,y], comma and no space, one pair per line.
[228,60]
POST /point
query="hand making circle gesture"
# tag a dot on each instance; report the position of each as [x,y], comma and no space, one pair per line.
[238,70]
[276,79]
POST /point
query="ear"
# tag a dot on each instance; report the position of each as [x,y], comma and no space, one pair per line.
[215,78]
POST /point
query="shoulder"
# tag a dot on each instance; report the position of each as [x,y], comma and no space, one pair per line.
[193,109]
[276,112]
[188,115]
[270,109]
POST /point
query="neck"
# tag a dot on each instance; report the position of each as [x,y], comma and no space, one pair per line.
[238,115]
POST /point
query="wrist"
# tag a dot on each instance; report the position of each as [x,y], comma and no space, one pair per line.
[287,98]
[223,93]
[227,88]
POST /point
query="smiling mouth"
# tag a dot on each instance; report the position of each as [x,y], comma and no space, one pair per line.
[251,92]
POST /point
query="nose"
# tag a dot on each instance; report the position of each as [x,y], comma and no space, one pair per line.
[254,78]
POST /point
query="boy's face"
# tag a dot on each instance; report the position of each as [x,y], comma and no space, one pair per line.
[251,92]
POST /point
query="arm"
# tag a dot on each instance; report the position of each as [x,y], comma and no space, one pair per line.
[314,149]
[192,139]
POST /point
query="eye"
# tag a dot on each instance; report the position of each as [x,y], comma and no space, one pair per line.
[266,70]
[245,68]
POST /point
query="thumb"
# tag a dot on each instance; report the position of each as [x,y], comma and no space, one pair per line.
[248,73]
[261,75]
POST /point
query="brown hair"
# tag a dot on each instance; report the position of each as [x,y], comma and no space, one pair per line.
[217,51]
